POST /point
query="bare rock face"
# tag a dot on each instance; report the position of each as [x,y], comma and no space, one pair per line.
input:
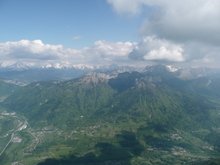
[96,77]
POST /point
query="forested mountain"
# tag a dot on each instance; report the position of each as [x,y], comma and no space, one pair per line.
[7,87]
[148,117]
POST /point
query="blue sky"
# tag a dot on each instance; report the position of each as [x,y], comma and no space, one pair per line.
[57,22]
[98,32]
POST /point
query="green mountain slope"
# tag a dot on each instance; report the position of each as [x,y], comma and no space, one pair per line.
[60,103]
[7,89]
[134,118]
[160,103]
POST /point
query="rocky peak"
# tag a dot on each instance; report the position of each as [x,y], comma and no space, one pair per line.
[96,77]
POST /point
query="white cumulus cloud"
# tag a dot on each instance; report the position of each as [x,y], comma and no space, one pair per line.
[154,49]
[26,49]
[164,54]
[105,51]
[36,51]
[193,28]
[181,20]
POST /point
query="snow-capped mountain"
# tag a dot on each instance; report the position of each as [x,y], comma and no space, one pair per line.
[29,72]
[62,65]
[14,66]
[66,65]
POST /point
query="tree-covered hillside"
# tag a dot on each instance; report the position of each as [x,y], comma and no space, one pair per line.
[132,118]
[7,89]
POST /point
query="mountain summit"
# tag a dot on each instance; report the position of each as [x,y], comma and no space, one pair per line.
[119,118]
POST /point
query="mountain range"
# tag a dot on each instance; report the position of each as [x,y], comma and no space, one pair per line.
[58,71]
[157,115]
[25,73]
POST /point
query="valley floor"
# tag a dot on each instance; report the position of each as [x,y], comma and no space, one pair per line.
[96,144]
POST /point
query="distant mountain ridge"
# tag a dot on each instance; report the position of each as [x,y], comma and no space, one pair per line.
[153,78]
[57,71]
[64,70]
[62,65]
[151,116]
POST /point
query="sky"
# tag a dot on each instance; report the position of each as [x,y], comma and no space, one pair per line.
[181,33]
